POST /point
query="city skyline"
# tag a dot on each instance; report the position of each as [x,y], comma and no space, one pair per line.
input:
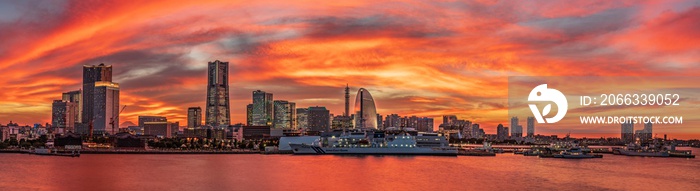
[306,54]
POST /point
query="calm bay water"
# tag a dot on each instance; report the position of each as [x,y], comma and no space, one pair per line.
[289,172]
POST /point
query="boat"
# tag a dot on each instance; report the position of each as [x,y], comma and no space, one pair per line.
[532,152]
[673,152]
[49,152]
[636,150]
[576,153]
[41,151]
[377,143]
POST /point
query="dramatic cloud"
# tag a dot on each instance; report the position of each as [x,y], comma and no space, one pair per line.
[415,57]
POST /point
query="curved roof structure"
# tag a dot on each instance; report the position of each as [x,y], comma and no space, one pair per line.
[365,110]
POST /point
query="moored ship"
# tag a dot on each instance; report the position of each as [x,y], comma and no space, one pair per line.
[378,143]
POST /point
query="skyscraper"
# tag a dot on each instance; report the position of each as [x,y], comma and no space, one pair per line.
[249,114]
[284,114]
[365,110]
[302,118]
[501,132]
[194,117]
[64,114]
[347,100]
[106,107]
[218,110]
[515,129]
[262,108]
[393,120]
[530,126]
[319,119]
[92,74]
[75,97]
[648,133]
[627,132]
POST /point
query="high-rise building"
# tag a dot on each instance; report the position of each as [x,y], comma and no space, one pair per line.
[105,107]
[218,110]
[284,114]
[302,118]
[393,120]
[144,119]
[648,130]
[627,132]
[194,117]
[75,97]
[341,122]
[365,110]
[92,74]
[424,124]
[64,115]
[347,100]
[262,108]
[515,129]
[319,119]
[249,114]
[501,132]
[530,126]
[448,120]
[380,122]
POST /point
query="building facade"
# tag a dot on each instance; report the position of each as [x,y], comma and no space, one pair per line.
[194,117]
[365,110]
[515,128]
[105,108]
[91,75]
[64,115]
[319,119]
[284,114]
[218,110]
[531,126]
[262,111]
[302,118]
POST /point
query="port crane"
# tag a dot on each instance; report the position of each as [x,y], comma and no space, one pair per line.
[111,122]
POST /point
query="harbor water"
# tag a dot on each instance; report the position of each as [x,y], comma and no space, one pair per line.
[325,172]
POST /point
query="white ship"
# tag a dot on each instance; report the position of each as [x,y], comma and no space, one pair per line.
[636,150]
[360,143]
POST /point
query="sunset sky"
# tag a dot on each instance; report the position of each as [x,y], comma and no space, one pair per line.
[415,57]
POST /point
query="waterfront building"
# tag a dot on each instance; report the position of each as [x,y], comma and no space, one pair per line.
[64,114]
[262,111]
[91,75]
[501,132]
[648,133]
[284,114]
[218,110]
[75,97]
[365,110]
[194,117]
[144,119]
[393,120]
[159,129]
[449,120]
[515,129]
[318,119]
[302,118]
[105,98]
[530,126]
[627,132]
[249,114]
[347,101]
[424,124]
[341,122]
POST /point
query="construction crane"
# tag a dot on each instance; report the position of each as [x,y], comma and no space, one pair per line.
[111,122]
